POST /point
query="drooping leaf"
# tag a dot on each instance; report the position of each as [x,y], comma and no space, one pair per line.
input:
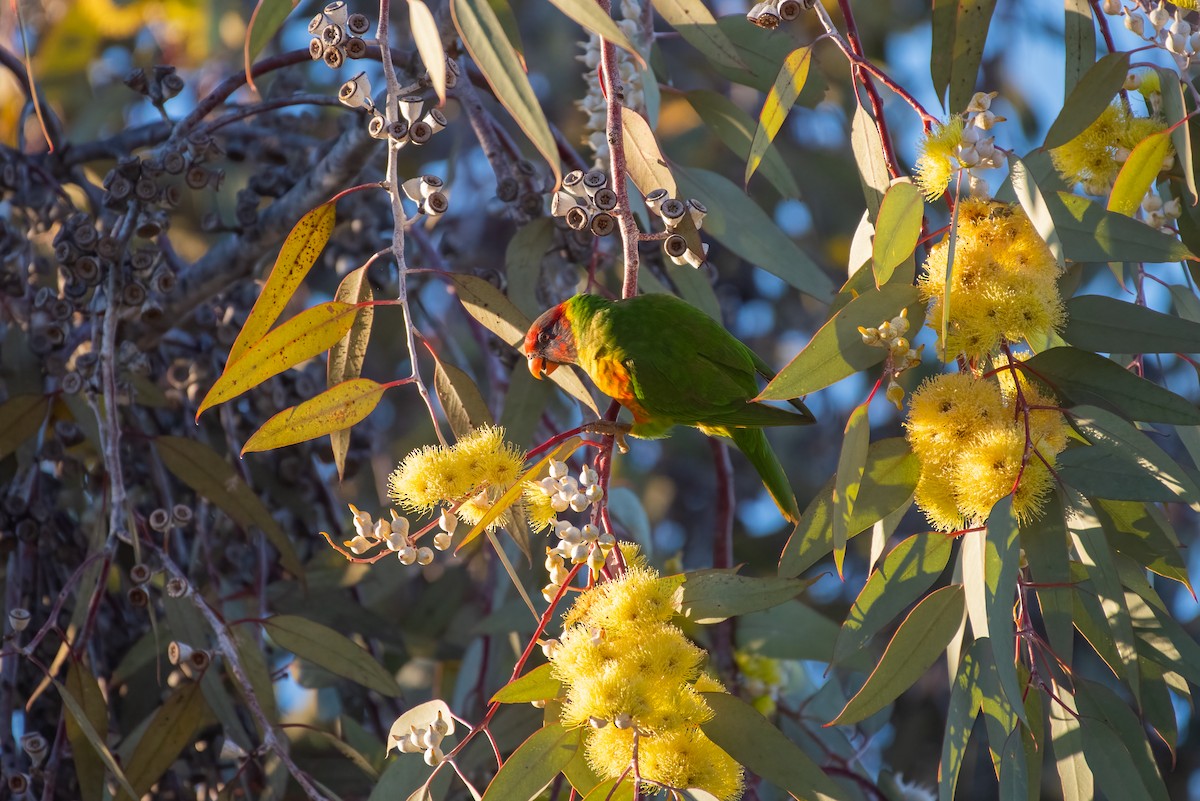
[901,578]
[1030,193]
[888,484]
[536,685]
[429,45]
[1175,110]
[867,146]
[1090,232]
[309,333]
[965,704]
[1074,774]
[837,350]
[1002,562]
[699,28]
[960,28]
[168,733]
[916,645]
[1079,36]
[788,85]
[1138,173]
[330,650]
[20,418]
[645,161]
[202,469]
[490,49]
[735,128]
[1101,704]
[740,224]
[463,403]
[497,313]
[80,714]
[300,250]
[258,673]
[897,229]
[1131,529]
[1083,377]
[88,739]
[1100,323]
[710,596]
[265,21]
[592,18]
[1091,95]
[523,263]
[335,409]
[847,482]
[532,767]
[743,733]
[346,357]
[1046,546]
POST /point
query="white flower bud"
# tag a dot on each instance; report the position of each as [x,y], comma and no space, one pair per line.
[967,156]
[623,721]
[383,529]
[407,554]
[1159,16]
[1168,162]
[1112,7]
[424,556]
[606,540]
[1133,79]
[596,560]
[558,503]
[1121,154]
[579,553]
[597,723]
[559,575]
[440,725]
[870,336]
[594,493]
[448,521]
[553,560]
[885,330]
[430,738]
[1175,43]
[1152,202]
[443,540]
[971,135]
[900,323]
[567,485]
[550,592]
[590,532]
[557,469]
[409,743]
[588,476]
[571,535]
[1173,209]
[360,545]
[1136,23]
[434,757]
[579,502]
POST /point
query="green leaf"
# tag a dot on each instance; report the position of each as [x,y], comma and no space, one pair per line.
[897,229]
[1158,706]
[1121,453]
[1114,720]
[254,665]
[300,251]
[965,703]
[916,645]
[501,66]
[330,650]
[811,635]
[645,161]
[710,596]
[605,791]
[1138,172]
[428,40]
[589,15]
[1046,549]
[740,224]
[523,263]
[867,147]
[79,715]
[1090,96]
[1100,323]
[698,27]
[309,333]
[1133,531]
[1074,774]
[743,733]
[1002,562]
[168,733]
[532,767]
[901,578]
[346,357]
[497,313]
[1029,177]
[1090,232]
[265,21]
[336,409]
[20,418]
[837,350]
[537,685]
[781,98]
[462,401]
[1083,377]
[888,484]
[735,128]
[847,482]
[1174,108]
[202,469]
[1014,769]
[1079,36]
[960,28]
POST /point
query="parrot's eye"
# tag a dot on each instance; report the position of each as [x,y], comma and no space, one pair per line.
[543,337]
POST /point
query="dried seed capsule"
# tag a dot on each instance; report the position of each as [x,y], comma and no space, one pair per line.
[358,24]
[436,204]
[140,573]
[332,35]
[420,133]
[181,514]
[356,47]
[316,48]
[675,246]
[605,199]
[333,57]
[138,597]
[789,9]
[160,520]
[603,223]
[18,619]
[176,588]
[577,218]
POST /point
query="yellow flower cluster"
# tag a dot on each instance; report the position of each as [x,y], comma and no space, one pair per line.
[936,158]
[1003,285]
[1095,156]
[971,437]
[473,472]
[633,677]
[762,679]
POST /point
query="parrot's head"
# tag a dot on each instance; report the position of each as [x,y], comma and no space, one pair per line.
[550,342]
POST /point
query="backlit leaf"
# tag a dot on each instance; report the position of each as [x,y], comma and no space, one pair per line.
[501,66]
[1074,774]
[1002,562]
[88,749]
[710,596]
[168,733]
[1100,323]
[788,84]
[523,263]
[867,147]
[735,128]
[335,409]
[429,45]
[1138,173]
[534,764]
[465,407]
[265,21]
[965,705]
[536,685]
[697,26]
[917,644]
[897,229]
[346,357]
[1090,96]
[592,18]
[331,650]
[1175,110]
[306,335]
[645,161]
[960,28]
[852,463]
[20,418]
[300,251]
[1090,232]
[1079,37]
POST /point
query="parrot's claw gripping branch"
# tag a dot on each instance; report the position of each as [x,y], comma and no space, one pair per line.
[611,428]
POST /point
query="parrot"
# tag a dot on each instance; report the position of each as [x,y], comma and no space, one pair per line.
[669,364]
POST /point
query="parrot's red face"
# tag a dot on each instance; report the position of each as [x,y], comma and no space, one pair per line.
[550,342]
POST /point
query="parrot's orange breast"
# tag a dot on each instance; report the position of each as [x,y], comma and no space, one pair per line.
[614,380]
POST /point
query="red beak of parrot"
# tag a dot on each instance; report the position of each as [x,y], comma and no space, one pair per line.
[540,367]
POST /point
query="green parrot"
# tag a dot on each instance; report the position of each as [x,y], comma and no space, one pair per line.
[669,364]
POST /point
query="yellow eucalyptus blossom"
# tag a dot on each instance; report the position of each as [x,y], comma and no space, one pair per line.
[630,675]
[936,160]
[1094,157]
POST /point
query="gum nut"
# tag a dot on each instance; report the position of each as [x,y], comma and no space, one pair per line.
[590,532]
[900,325]
[553,562]
[562,525]
[383,529]
[587,476]
[549,485]
[579,553]
[557,469]
[448,521]
[434,757]
[550,592]
[396,541]
[407,554]
[594,493]
[558,503]
[579,502]
[571,534]
[442,540]
[606,540]
[559,575]
[424,556]
[885,330]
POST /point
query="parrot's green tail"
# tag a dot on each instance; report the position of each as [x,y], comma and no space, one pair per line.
[753,443]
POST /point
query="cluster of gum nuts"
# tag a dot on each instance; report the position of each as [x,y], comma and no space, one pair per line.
[427,739]
[393,533]
[890,335]
[586,202]
[337,35]
[576,545]
[768,15]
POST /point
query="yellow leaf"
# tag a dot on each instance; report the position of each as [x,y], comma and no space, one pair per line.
[780,100]
[429,45]
[647,167]
[297,256]
[1138,173]
[334,409]
[346,357]
[302,337]
[514,492]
